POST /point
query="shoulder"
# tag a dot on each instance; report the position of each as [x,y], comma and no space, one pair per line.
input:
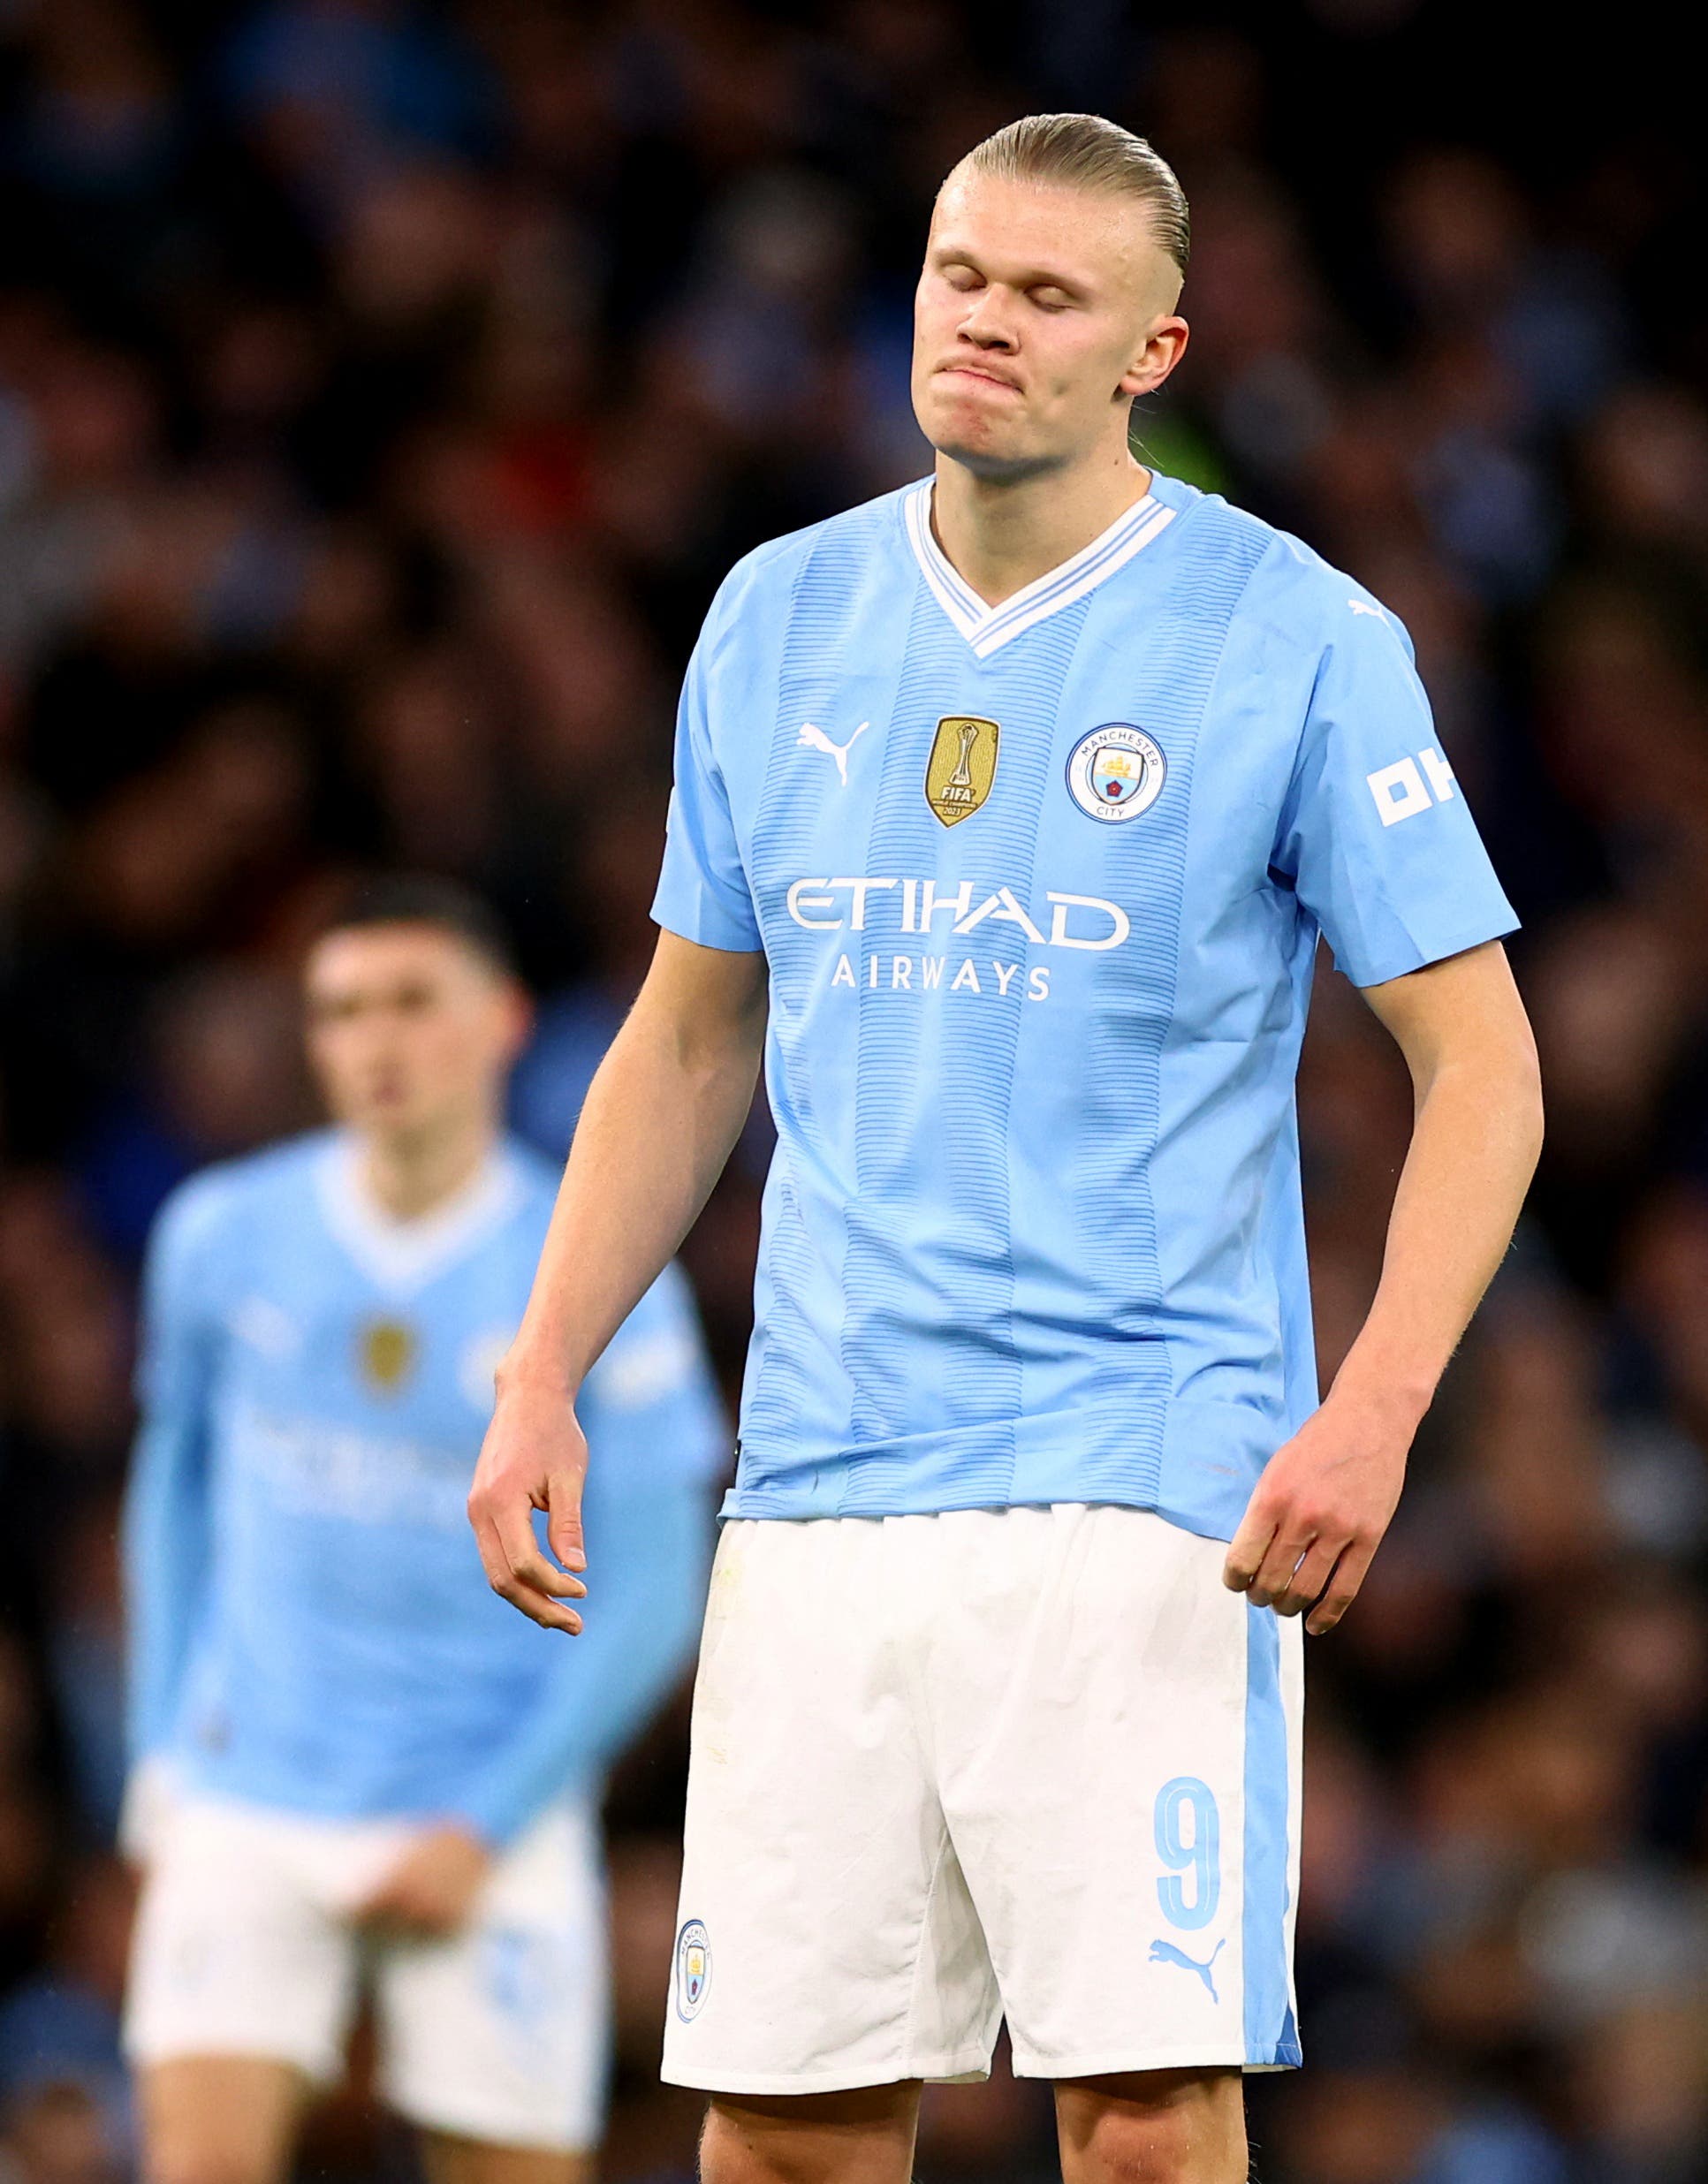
[770,575]
[220,1203]
[1291,593]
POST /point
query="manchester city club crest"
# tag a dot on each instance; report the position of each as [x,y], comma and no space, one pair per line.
[962,767]
[1116,772]
[386,1350]
[693,1969]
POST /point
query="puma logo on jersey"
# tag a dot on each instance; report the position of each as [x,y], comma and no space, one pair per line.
[1362,606]
[815,739]
[1165,1953]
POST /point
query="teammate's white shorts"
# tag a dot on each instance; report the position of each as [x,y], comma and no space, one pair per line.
[1033,1761]
[244,1946]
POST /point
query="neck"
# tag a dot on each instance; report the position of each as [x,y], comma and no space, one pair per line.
[1003,534]
[412,1173]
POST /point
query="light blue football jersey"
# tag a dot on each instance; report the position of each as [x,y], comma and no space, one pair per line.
[311,1627]
[1039,886]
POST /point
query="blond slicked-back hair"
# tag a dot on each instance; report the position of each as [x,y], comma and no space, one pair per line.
[1088,152]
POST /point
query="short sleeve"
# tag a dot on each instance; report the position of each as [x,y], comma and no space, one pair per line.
[1374,835]
[703,890]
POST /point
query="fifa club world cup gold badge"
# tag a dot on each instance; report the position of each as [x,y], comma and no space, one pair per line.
[963,766]
[387,1349]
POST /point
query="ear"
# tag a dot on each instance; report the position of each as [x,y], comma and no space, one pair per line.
[519,1013]
[1165,345]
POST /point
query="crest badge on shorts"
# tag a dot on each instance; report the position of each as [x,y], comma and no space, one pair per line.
[962,768]
[1116,772]
[693,1969]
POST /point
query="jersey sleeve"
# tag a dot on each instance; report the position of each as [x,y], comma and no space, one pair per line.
[1374,835]
[166,1516]
[657,1435]
[703,889]
[648,1547]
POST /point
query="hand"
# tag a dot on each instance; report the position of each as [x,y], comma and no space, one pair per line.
[534,1457]
[1317,1514]
[430,1891]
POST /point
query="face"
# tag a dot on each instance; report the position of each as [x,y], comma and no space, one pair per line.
[1041,312]
[410,1030]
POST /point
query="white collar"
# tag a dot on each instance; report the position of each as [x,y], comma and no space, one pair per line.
[406,1254]
[987,629]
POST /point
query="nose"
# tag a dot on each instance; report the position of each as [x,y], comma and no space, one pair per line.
[985,323]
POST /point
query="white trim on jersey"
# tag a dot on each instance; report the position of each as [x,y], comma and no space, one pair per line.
[987,629]
[406,1254]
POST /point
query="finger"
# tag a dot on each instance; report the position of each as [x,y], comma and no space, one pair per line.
[493,1560]
[537,1608]
[1249,1544]
[1312,1575]
[530,1567]
[562,1527]
[1350,1573]
[526,1564]
[1291,1544]
[533,1603]
[516,1570]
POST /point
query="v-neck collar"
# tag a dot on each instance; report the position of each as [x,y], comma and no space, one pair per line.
[407,1255]
[987,629]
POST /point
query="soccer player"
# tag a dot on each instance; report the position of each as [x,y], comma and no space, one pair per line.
[1024,793]
[365,1770]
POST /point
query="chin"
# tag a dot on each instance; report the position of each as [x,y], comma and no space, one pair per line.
[391,1120]
[970,443]
[986,461]
[967,434]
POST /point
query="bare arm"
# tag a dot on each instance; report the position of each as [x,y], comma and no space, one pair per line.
[661,1116]
[1324,1500]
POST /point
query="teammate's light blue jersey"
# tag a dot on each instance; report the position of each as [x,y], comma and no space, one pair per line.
[1040,887]
[311,1625]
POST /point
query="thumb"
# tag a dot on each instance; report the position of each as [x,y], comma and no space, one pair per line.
[1249,1545]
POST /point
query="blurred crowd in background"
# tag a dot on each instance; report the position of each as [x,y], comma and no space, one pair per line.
[384,388]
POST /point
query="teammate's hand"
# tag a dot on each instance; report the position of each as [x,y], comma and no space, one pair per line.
[534,1457]
[430,1891]
[1317,1514]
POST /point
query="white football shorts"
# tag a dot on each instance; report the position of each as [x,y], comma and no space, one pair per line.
[1036,1763]
[244,1946]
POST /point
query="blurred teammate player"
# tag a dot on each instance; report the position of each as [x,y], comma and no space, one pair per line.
[1027,792]
[374,1773]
